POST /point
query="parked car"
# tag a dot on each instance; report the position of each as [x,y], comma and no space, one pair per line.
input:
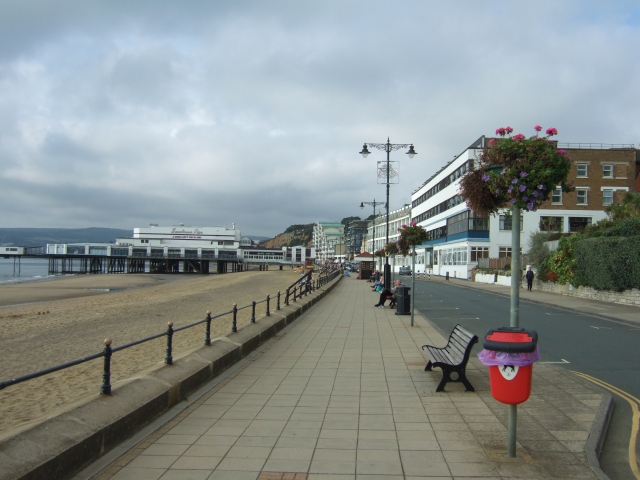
[404,271]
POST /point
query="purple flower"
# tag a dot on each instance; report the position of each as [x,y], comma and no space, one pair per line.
[525,199]
[523,174]
[512,201]
[497,190]
[522,188]
[514,181]
[503,170]
[485,177]
[536,193]
[510,189]
[541,187]
[530,206]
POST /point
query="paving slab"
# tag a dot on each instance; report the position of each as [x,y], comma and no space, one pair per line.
[342,394]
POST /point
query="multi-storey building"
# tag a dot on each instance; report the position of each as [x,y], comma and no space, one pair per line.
[456,236]
[327,239]
[356,232]
[602,174]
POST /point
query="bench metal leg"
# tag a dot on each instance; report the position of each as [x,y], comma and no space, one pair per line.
[428,367]
[445,378]
[465,382]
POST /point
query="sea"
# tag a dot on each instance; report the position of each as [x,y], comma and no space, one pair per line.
[29,269]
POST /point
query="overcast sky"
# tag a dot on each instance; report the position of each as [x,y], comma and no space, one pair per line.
[124,113]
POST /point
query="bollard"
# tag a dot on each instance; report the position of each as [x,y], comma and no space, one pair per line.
[207,336]
[105,389]
[253,312]
[234,327]
[268,311]
[278,304]
[168,359]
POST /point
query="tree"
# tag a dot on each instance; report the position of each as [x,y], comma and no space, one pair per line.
[538,251]
[629,208]
[347,220]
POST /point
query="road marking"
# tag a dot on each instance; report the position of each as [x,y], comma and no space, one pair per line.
[563,361]
[554,313]
[445,308]
[469,318]
[600,328]
[633,401]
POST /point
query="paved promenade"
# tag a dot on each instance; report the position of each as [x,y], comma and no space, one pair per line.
[342,395]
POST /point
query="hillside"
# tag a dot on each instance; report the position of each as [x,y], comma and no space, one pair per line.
[293,236]
[38,237]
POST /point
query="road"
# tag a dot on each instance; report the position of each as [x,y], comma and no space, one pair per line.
[592,344]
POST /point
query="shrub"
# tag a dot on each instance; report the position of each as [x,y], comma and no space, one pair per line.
[560,265]
[537,249]
[608,263]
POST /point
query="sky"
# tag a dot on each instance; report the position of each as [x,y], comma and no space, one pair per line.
[124,113]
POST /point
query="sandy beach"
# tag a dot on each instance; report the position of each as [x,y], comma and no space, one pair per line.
[43,324]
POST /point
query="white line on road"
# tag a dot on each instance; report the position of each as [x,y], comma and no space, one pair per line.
[563,361]
[600,328]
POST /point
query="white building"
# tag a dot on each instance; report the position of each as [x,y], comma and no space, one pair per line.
[327,239]
[457,237]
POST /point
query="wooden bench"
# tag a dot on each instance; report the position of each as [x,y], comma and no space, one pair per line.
[453,357]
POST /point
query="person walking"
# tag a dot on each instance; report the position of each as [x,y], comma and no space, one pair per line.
[529,276]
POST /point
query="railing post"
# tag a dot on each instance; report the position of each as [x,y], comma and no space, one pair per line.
[286,298]
[268,310]
[234,327]
[105,389]
[278,304]
[295,291]
[168,359]
[207,336]
[253,312]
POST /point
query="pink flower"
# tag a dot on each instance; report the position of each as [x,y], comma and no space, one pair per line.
[552,131]
[492,141]
[501,131]
[537,128]
[508,129]
[413,224]
[519,137]
[561,152]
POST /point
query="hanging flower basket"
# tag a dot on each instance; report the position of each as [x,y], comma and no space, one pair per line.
[516,172]
[410,236]
[391,248]
[380,253]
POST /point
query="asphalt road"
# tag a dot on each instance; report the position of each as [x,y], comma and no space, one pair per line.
[606,349]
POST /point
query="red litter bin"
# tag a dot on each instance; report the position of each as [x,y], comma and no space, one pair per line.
[510,353]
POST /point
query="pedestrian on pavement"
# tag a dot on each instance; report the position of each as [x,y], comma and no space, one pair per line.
[529,276]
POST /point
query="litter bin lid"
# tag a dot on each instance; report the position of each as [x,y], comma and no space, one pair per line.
[402,288]
[511,340]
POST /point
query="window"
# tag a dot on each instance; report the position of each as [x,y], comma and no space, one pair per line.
[506,222]
[551,224]
[506,252]
[607,171]
[479,252]
[582,196]
[578,224]
[607,197]
[556,196]
[582,170]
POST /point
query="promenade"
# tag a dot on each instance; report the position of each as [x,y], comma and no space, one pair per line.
[342,395]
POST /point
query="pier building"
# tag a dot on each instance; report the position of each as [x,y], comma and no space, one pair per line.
[175,249]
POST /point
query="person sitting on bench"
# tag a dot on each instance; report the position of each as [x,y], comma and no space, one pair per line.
[390,294]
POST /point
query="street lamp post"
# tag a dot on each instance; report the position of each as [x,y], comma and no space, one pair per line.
[374,204]
[387,147]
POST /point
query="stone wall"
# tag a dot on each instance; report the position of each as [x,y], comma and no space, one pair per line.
[628,297]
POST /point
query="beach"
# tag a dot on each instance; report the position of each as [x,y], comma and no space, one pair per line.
[46,323]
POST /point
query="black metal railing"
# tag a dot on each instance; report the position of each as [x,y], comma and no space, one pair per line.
[300,288]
